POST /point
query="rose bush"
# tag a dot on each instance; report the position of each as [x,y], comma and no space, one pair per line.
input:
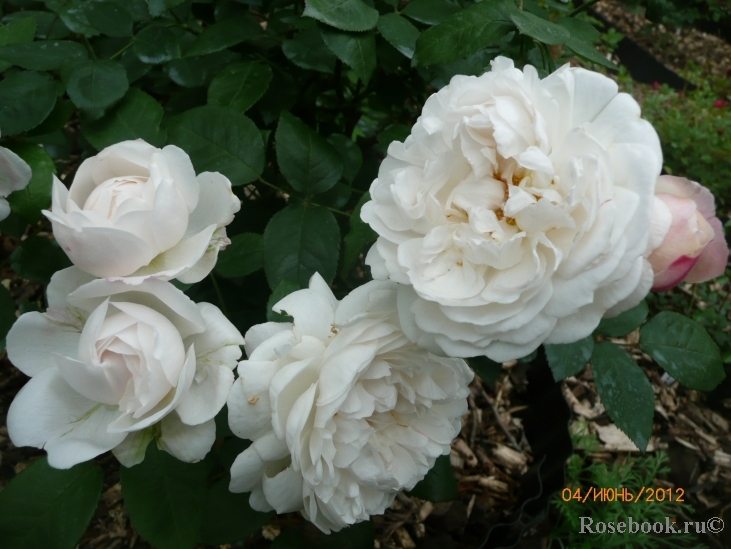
[15,175]
[137,211]
[343,410]
[113,365]
[517,212]
[689,242]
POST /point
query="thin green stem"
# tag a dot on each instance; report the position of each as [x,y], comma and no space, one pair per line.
[265,182]
[92,53]
[124,49]
[585,6]
[224,308]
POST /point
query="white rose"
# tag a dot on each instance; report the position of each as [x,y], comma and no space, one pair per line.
[15,174]
[137,211]
[343,410]
[113,365]
[517,212]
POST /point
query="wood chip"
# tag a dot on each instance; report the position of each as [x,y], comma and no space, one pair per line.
[404,539]
[491,483]
[469,457]
[616,441]
[722,458]
[509,458]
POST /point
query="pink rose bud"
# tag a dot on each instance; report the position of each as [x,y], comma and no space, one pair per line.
[693,248]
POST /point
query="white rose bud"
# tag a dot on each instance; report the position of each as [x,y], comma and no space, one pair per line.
[137,211]
[113,365]
[517,212]
[15,174]
[343,410]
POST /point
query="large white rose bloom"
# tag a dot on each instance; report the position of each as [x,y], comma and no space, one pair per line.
[343,410]
[517,212]
[15,174]
[113,365]
[137,211]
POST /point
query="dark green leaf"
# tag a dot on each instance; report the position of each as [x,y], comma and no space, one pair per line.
[26,99]
[137,116]
[71,12]
[569,359]
[300,241]
[349,15]
[587,51]
[18,31]
[308,162]
[223,35]
[240,85]
[399,32]
[430,12]
[625,392]
[540,29]
[439,484]
[165,499]
[357,50]
[580,29]
[684,348]
[394,132]
[242,257]
[7,319]
[97,85]
[464,33]
[283,289]
[220,140]
[156,44]
[228,518]
[349,152]
[624,323]
[58,118]
[42,55]
[110,19]
[36,196]
[49,508]
[308,50]
[360,236]
[487,369]
[37,258]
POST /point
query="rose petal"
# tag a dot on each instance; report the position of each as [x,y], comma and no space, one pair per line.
[33,338]
[188,444]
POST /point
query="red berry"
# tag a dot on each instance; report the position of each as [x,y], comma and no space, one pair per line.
[656,85]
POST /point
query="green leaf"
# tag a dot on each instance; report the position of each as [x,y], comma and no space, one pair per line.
[37,258]
[300,241]
[569,359]
[42,55]
[348,15]
[18,31]
[228,517]
[137,116]
[684,349]
[7,319]
[220,140]
[97,85]
[538,28]
[487,369]
[71,12]
[240,85]
[242,257]
[224,34]
[624,323]
[26,99]
[349,152]
[36,196]
[156,44]
[464,33]
[394,132]
[357,50]
[583,35]
[282,290]
[401,34]
[308,162]
[165,499]
[308,51]
[439,484]
[625,392]
[360,236]
[58,118]
[49,508]
[430,12]
[110,19]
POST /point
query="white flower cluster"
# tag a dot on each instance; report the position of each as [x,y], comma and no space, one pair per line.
[517,212]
